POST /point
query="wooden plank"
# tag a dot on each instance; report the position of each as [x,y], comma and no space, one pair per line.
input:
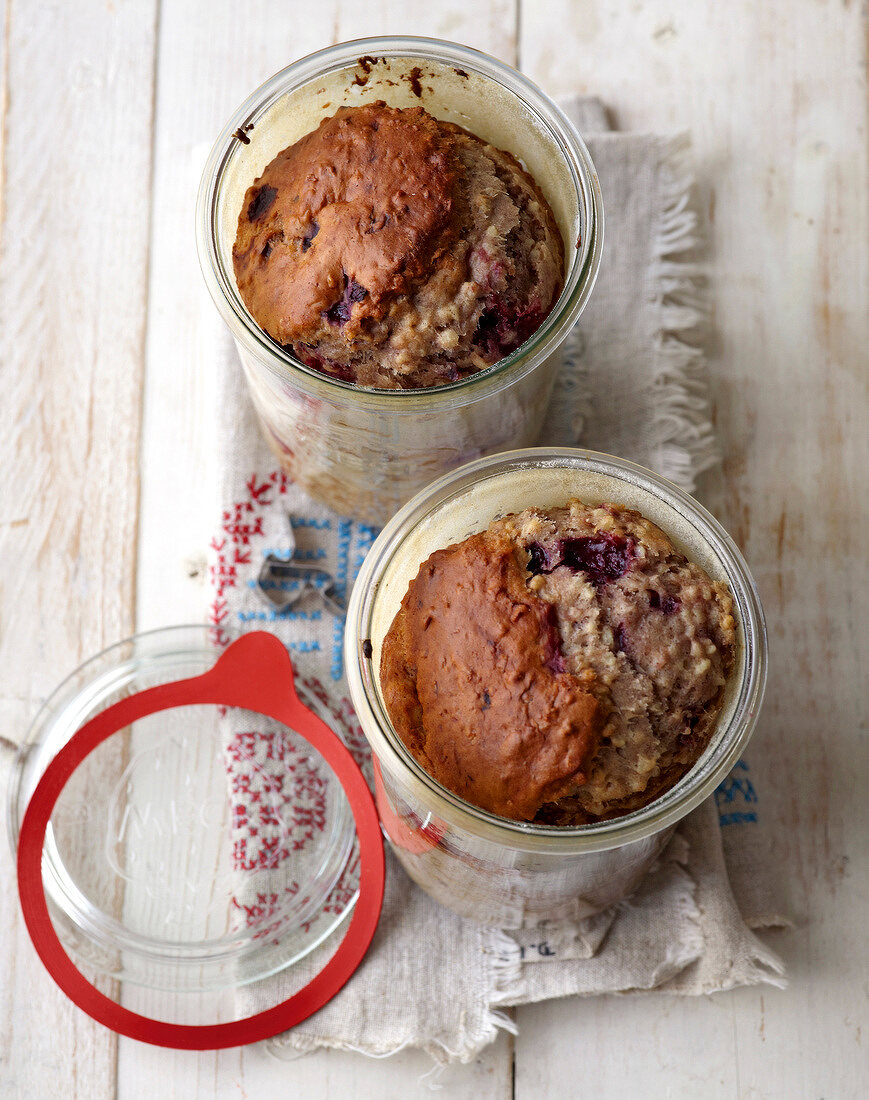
[73,261]
[490,27]
[208,63]
[251,1071]
[4,103]
[670,1047]
[775,97]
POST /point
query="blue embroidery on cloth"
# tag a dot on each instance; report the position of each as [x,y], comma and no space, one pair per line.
[345,532]
[316,524]
[734,792]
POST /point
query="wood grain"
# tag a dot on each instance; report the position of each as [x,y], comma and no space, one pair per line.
[77,144]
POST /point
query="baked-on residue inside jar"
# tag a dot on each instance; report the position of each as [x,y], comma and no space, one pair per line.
[562,667]
[391,249]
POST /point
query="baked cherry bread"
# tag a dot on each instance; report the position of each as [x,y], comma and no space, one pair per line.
[390,249]
[563,667]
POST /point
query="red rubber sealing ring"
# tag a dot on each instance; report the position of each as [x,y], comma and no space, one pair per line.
[397,829]
[255,673]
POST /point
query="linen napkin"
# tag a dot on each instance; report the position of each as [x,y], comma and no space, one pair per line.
[633,384]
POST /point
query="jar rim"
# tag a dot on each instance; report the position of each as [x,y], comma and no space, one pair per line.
[696,785]
[583,266]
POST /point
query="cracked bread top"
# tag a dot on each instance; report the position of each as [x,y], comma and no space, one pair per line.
[566,666]
[391,249]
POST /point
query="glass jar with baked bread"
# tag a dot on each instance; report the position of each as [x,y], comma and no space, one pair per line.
[508,873]
[364,450]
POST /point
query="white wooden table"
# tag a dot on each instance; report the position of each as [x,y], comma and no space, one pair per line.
[107,460]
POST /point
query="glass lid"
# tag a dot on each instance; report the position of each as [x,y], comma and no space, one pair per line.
[202,844]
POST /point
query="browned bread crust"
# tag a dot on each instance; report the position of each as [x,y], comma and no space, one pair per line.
[364,200]
[390,249]
[471,678]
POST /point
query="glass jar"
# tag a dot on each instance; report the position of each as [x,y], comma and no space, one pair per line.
[515,874]
[365,451]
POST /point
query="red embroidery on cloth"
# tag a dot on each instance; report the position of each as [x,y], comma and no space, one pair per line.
[278,809]
[342,719]
[264,908]
[345,888]
[239,524]
[275,811]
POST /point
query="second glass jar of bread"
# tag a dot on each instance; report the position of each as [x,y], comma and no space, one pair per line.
[511,873]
